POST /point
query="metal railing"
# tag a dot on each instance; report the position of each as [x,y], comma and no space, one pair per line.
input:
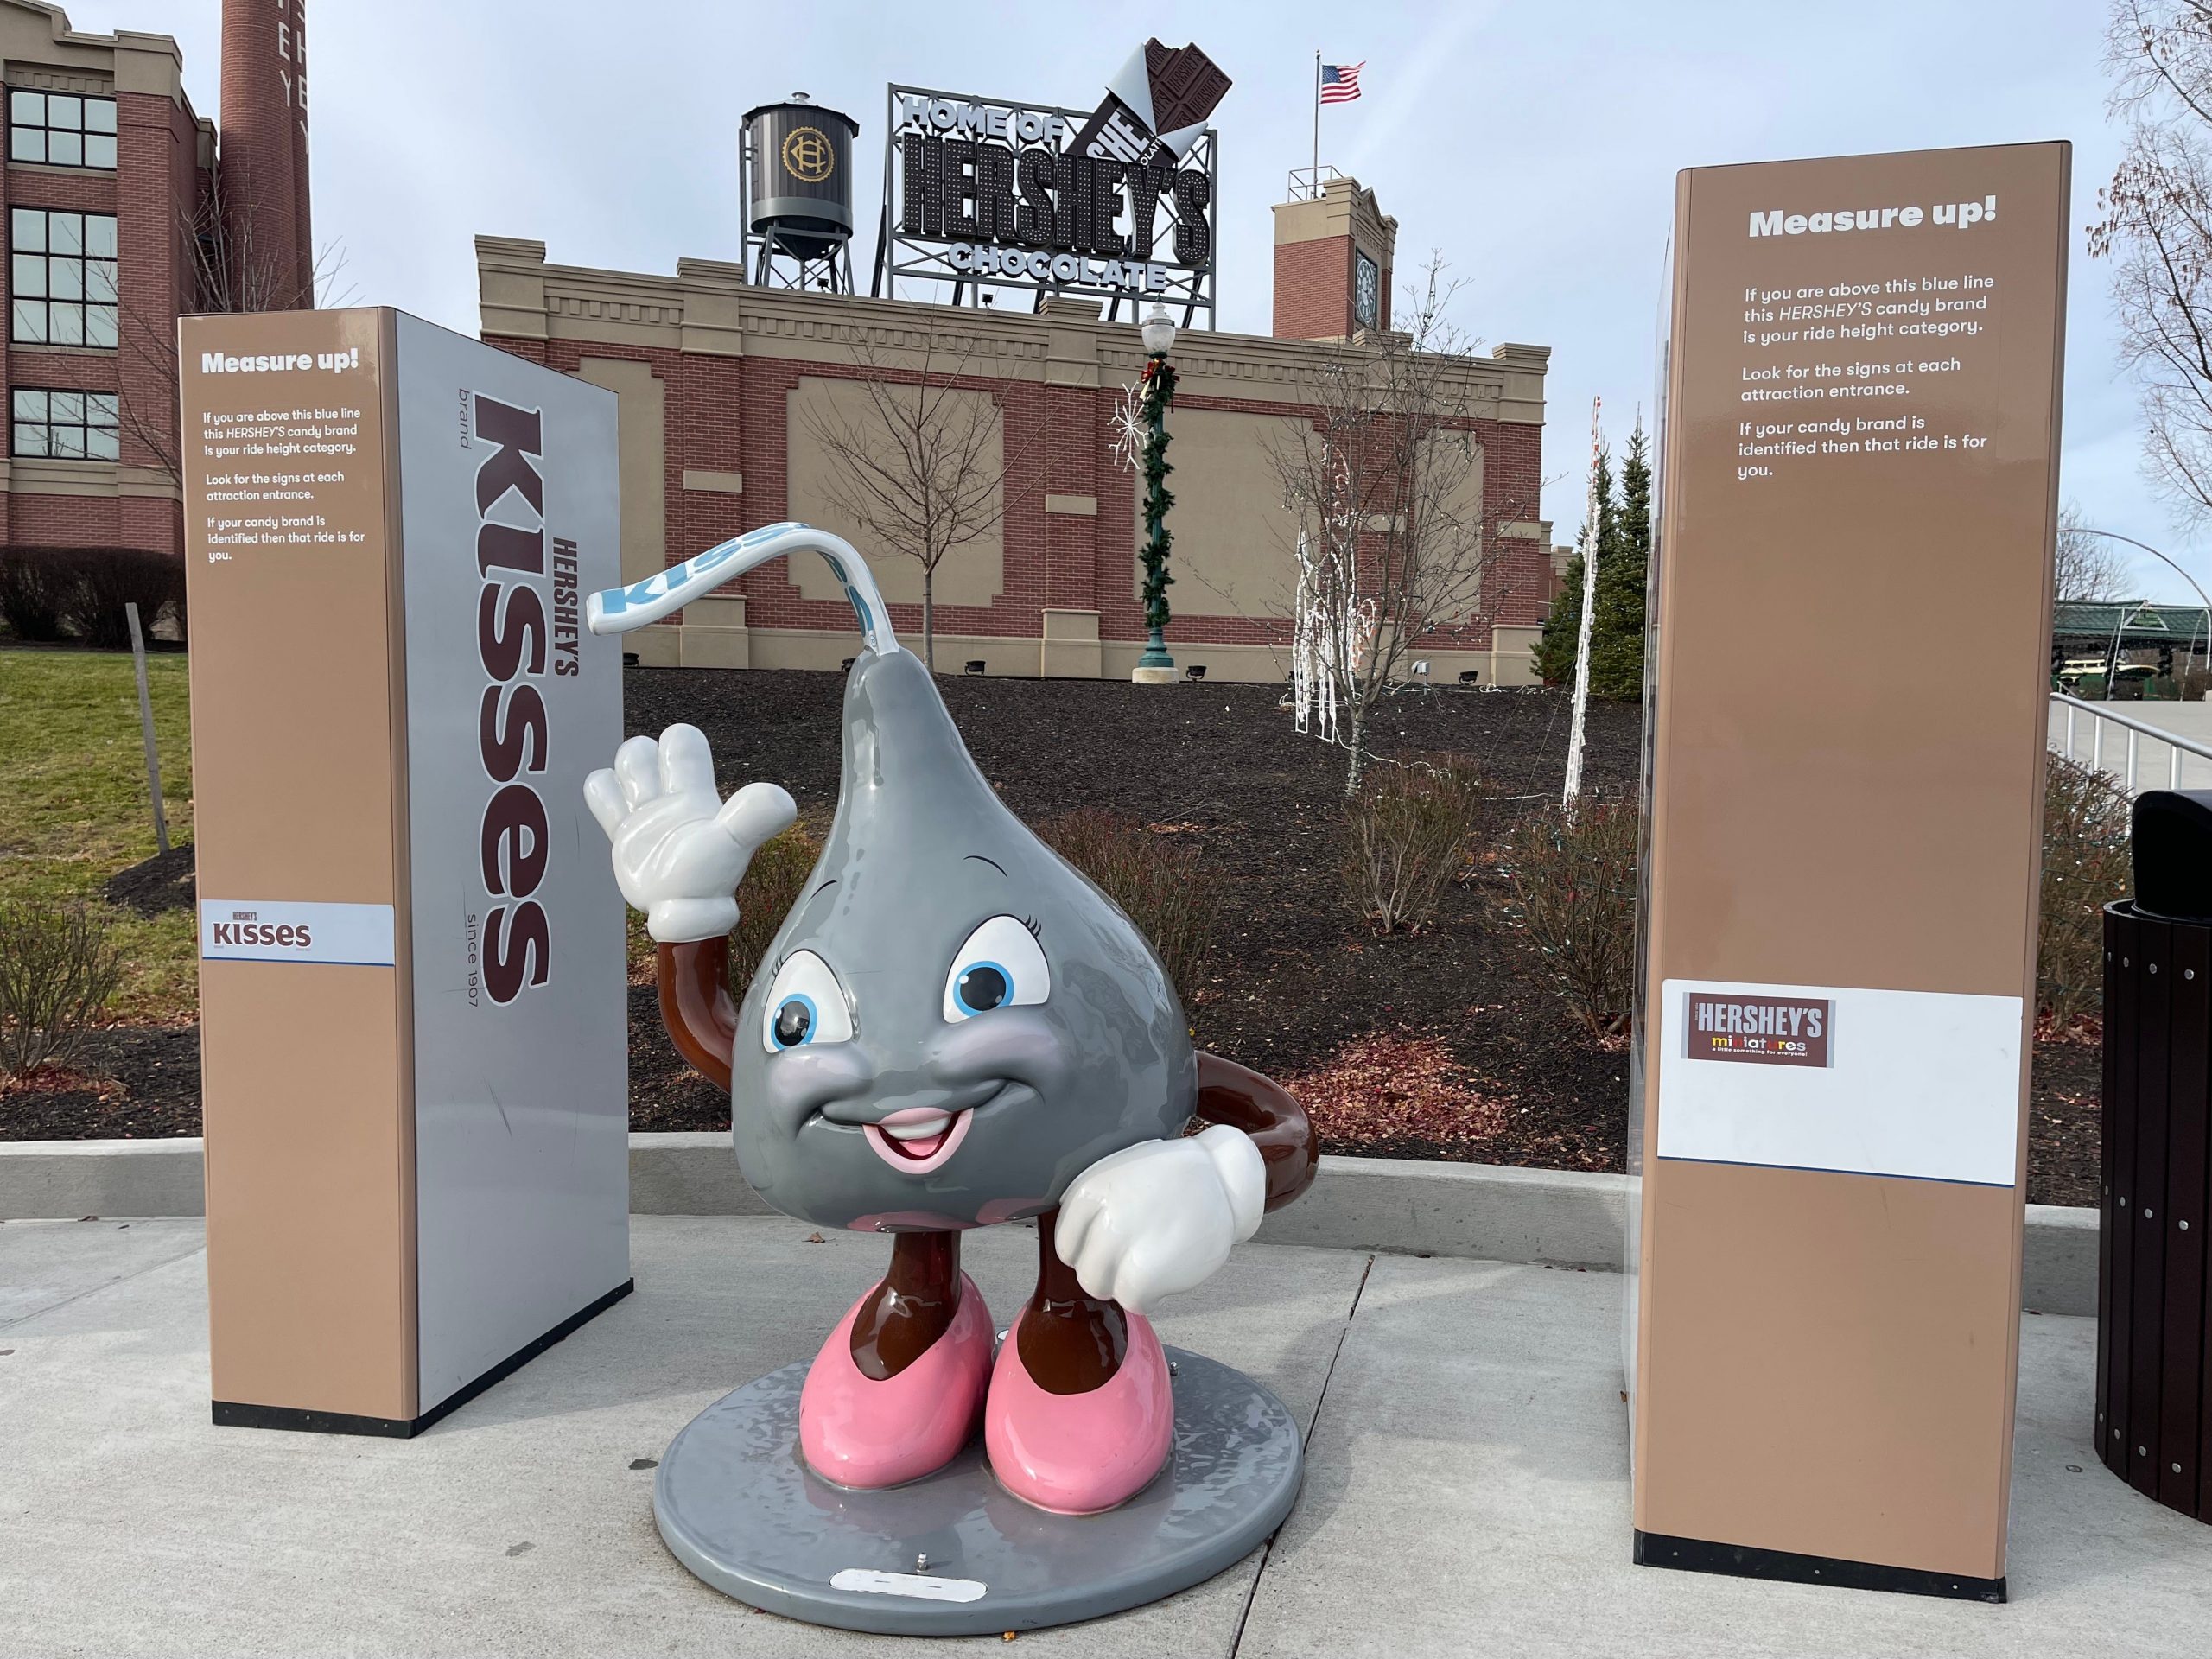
[2101,714]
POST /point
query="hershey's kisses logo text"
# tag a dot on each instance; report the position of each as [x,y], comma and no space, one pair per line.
[1005,184]
[246,927]
[519,645]
[1774,1030]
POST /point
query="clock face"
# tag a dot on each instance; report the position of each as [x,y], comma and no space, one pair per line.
[1366,291]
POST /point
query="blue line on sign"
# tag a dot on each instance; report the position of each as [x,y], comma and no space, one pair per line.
[302,961]
[1823,1169]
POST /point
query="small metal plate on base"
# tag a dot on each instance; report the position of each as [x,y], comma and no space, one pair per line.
[955,1553]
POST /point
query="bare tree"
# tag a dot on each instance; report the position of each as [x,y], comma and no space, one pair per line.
[2155,225]
[226,270]
[2087,566]
[923,467]
[1385,483]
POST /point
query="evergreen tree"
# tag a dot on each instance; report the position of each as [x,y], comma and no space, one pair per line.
[1617,627]
[1554,654]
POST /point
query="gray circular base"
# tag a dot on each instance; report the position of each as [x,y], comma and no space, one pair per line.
[955,1553]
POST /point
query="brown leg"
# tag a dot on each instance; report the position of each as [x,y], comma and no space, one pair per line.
[912,1308]
[1070,1343]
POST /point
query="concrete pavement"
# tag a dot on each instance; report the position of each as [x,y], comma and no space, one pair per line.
[1466,1488]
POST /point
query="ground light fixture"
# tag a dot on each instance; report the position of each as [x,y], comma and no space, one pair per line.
[1156,392]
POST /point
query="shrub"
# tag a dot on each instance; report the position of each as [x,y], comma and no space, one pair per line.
[1574,882]
[58,967]
[773,881]
[108,578]
[2085,866]
[1406,835]
[36,585]
[1168,890]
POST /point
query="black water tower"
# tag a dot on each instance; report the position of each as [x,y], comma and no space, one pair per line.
[798,201]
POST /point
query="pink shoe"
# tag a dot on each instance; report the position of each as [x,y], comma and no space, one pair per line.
[1079,1453]
[858,1431]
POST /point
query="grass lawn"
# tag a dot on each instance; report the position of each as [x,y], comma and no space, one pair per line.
[73,801]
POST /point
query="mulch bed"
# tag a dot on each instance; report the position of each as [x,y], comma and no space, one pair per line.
[135,1082]
[1297,986]
[164,882]
[1438,1045]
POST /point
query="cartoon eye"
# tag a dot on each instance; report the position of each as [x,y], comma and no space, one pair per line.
[1001,966]
[804,1004]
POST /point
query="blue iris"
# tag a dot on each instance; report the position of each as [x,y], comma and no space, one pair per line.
[796,1019]
[981,987]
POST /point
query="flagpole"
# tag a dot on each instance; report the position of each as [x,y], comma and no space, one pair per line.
[1317,121]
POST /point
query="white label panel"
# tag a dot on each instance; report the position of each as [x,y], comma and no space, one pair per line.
[1920,1084]
[869,1581]
[281,929]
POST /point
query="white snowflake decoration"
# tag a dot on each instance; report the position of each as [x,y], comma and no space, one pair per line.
[1130,431]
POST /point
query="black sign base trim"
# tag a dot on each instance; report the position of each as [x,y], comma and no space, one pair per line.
[1742,1561]
[230,1414]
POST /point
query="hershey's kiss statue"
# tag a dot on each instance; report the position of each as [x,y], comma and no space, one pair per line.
[953,1028]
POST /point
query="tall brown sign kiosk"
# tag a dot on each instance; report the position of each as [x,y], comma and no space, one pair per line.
[410,987]
[1861,437]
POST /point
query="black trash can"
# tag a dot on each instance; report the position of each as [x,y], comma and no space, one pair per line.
[2154,1390]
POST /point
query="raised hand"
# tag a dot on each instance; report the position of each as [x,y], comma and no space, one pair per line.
[680,849]
[1161,1216]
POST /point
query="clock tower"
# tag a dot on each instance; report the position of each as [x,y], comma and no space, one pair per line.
[1334,251]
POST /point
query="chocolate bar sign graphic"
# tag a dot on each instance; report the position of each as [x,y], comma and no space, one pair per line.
[1766,1030]
[1158,102]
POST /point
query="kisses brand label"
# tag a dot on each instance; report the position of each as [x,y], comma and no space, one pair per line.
[271,930]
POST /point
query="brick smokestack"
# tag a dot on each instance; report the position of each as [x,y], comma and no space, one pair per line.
[264,154]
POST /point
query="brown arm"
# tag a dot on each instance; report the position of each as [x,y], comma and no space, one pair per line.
[695,1006]
[1241,1097]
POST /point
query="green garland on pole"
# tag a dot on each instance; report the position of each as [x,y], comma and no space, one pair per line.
[1160,392]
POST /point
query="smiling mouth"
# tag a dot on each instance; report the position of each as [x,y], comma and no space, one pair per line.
[917,1141]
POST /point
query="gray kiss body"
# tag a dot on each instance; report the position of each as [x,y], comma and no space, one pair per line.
[920,853]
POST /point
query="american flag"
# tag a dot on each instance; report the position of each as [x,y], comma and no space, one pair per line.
[1340,81]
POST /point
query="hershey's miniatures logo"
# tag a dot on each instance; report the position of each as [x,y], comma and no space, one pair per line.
[1770,1030]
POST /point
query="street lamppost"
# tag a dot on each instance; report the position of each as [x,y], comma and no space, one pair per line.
[1156,667]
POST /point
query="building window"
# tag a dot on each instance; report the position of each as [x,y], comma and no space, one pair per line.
[60,129]
[72,425]
[62,277]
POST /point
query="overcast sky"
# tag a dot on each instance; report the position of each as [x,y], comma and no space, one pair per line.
[1535,143]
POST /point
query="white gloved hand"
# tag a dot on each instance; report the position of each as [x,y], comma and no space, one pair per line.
[680,849]
[1161,1216]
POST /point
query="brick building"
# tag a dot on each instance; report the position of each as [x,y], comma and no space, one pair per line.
[725,388]
[112,188]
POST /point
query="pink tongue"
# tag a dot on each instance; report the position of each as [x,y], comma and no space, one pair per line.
[924,1148]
